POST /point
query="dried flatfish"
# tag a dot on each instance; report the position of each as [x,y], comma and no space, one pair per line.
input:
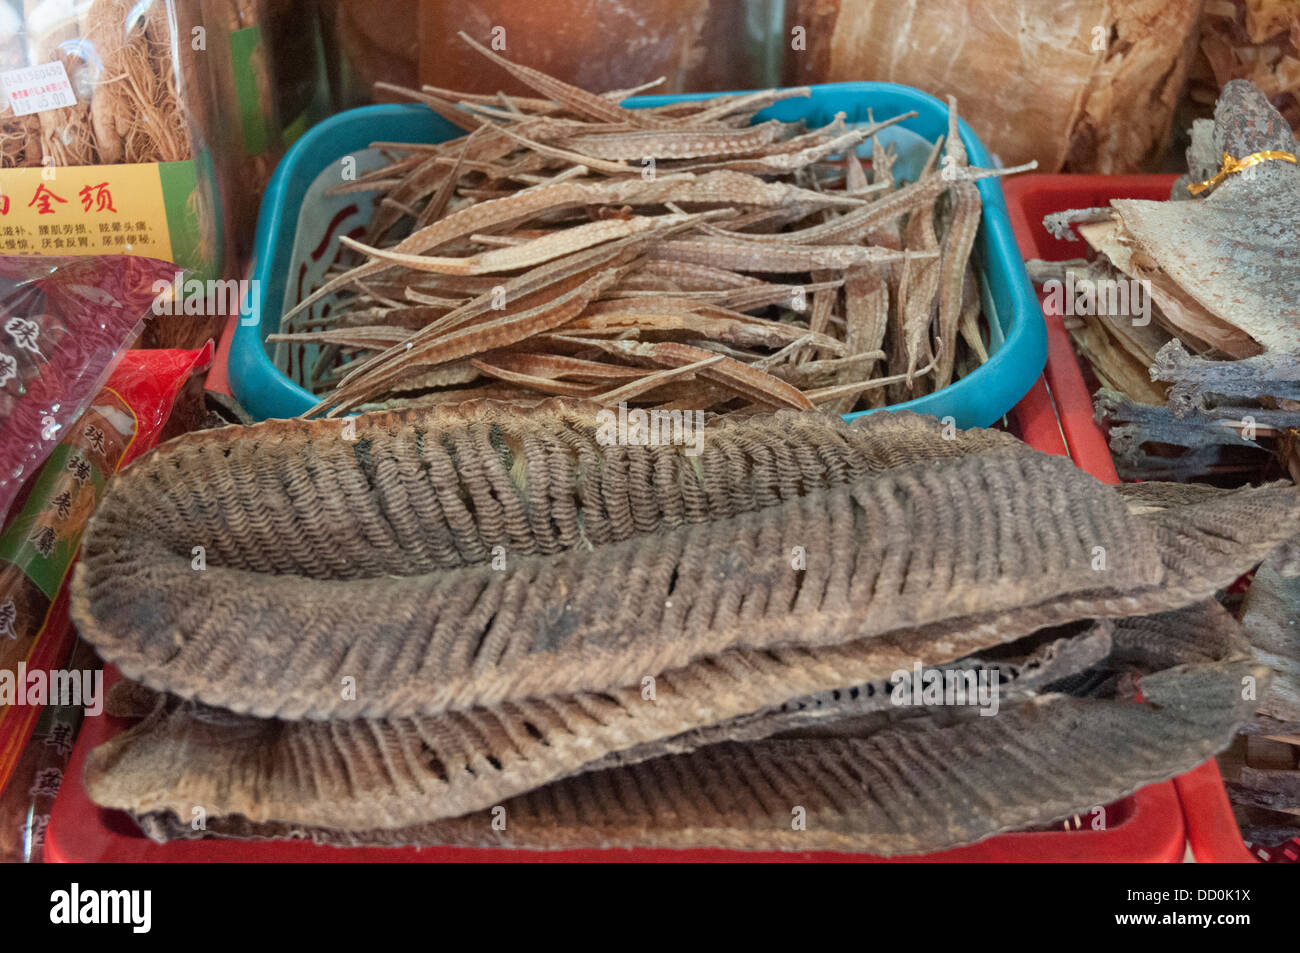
[1234,251]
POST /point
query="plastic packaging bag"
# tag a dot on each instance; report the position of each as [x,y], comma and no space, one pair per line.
[158,117]
[40,542]
[63,322]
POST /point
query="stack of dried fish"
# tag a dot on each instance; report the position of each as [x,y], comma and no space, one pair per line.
[678,256]
[1262,769]
[1210,389]
[1213,382]
[486,626]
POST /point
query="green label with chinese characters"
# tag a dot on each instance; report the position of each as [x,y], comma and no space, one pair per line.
[43,538]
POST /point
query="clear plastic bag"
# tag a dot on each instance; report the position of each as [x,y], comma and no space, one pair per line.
[63,323]
[145,127]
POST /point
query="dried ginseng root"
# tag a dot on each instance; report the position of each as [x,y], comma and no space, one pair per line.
[745,233]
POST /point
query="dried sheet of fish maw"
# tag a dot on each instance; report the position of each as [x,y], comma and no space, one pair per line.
[1051,80]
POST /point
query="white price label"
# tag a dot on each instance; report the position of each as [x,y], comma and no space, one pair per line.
[34,89]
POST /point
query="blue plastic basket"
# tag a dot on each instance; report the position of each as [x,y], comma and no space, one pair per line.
[1018,349]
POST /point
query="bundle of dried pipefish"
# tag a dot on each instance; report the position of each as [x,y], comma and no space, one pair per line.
[499,585]
[680,256]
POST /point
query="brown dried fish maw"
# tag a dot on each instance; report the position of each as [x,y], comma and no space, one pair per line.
[741,683]
[1147,742]
[283,566]
[1088,82]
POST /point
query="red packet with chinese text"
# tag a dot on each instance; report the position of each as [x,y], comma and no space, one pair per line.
[40,542]
[63,323]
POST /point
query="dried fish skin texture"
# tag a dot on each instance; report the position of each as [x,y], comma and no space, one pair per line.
[1234,250]
[1024,767]
[1002,537]
[403,492]
[402,771]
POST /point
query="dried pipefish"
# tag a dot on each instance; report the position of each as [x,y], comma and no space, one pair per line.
[750,102]
[736,188]
[789,162]
[853,225]
[574,98]
[556,366]
[824,394]
[966,208]
[363,337]
[823,302]
[433,300]
[855,177]
[866,303]
[649,382]
[544,385]
[750,381]
[667,144]
[475,218]
[519,290]
[744,256]
[766,293]
[918,292]
[502,331]
[716,252]
[437,205]
[525,292]
[749,332]
[535,252]
[692,276]
[970,311]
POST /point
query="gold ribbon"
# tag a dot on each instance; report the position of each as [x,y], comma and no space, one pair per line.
[1232,166]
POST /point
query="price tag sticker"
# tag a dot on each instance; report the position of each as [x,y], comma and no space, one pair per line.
[34,89]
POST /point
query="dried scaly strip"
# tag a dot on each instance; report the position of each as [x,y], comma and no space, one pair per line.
[966,208]
[535,252]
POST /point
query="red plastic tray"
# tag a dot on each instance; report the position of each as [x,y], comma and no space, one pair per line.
[1147,826]
[1211,829]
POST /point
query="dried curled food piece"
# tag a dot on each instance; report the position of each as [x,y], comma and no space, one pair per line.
[337,774]
[1004,537]
[911,787]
